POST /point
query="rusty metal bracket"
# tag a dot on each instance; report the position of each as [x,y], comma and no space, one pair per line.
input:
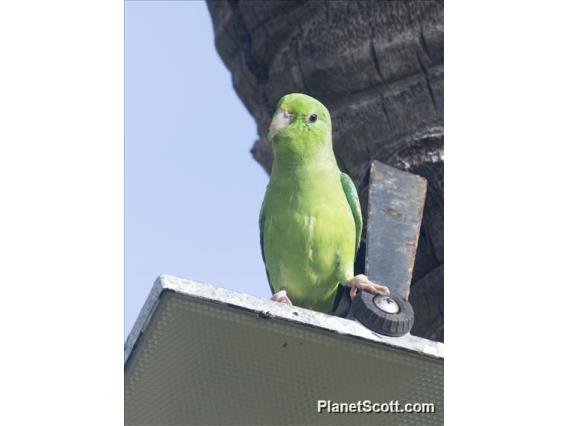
[395,206]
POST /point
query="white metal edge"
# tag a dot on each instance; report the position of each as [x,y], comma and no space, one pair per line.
[273,309]
[143,317]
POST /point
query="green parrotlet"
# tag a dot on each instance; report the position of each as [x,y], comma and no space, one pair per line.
[310,220]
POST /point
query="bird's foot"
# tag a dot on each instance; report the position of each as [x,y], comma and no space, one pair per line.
[281,297]
[361,282]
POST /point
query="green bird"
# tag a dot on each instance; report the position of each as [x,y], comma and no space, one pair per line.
[310,220]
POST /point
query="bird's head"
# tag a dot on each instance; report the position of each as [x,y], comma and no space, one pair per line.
[300,129]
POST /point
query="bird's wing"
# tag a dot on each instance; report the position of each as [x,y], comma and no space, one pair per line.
[261,226]
[353,200]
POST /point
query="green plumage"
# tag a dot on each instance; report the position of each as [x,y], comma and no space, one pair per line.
[310,220]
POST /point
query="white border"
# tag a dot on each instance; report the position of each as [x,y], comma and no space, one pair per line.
[61,212]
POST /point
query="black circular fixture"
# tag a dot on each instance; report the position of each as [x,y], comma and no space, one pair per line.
[389,315]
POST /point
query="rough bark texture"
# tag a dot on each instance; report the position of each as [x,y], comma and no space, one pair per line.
[378,67]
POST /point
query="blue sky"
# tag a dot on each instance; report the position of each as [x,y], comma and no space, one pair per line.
[193,190]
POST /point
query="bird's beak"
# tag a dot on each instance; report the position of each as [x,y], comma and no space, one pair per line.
[281,119]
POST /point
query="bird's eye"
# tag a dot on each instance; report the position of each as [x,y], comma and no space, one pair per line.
[313,118]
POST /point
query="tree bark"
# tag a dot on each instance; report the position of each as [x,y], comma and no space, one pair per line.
[378,67]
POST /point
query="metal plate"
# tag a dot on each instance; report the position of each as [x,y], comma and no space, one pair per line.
[199,354]
[396,203]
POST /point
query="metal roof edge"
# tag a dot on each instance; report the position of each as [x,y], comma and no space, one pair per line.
[269,308]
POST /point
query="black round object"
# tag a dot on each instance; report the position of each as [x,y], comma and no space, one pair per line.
[388,315]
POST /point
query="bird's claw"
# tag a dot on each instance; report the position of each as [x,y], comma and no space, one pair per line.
[281,297]
[361,282]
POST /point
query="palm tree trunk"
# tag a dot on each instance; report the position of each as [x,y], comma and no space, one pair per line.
[378,67]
